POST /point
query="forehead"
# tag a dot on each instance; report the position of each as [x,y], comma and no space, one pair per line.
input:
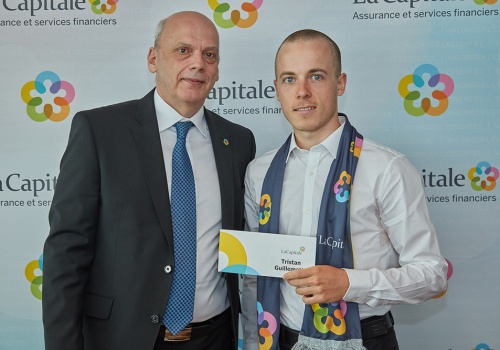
[311,53]
[189,32]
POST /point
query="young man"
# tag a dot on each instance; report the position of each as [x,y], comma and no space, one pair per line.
[365,203]
[115,254]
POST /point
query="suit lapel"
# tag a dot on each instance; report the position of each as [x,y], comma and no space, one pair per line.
[221,144]
[147,138]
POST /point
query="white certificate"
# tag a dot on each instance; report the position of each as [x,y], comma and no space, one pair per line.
[264,254]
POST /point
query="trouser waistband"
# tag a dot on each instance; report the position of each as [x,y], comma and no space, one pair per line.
[370,327]
[197,329]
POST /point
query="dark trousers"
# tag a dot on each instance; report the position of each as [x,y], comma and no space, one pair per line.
[387,341]
[220,337]
[382,342]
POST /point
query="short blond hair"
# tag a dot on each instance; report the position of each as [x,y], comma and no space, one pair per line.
[311,34]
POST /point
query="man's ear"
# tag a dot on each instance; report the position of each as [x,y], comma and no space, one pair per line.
[152,60]
[341,83]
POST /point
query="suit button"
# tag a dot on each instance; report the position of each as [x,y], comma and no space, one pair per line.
[155,319]
[167,269]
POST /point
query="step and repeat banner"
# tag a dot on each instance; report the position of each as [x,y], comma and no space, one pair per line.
[423,78]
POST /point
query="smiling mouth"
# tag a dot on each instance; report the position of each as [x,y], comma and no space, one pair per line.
[303,109]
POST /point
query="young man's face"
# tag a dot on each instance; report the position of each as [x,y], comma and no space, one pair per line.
[307,87]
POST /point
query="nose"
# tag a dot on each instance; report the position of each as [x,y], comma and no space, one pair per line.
[197,61]
[303,90]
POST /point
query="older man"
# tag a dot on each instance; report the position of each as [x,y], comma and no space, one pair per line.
[145,186]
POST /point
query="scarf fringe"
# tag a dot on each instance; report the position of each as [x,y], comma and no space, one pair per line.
[308,343]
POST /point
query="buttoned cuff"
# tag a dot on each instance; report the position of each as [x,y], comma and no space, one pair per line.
[360,284]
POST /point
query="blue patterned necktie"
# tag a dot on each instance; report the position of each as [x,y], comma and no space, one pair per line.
[179,311]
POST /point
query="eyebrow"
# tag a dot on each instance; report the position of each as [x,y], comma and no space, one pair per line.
[212,48]
[215,48]
[310,71]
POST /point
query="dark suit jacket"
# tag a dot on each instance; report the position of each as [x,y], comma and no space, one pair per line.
[105,284]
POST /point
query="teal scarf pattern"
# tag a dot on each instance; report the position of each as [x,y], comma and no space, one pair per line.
[325,326]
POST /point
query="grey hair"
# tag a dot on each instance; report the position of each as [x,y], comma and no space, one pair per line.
[159,29]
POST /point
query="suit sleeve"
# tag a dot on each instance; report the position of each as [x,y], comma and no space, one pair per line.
[68,249]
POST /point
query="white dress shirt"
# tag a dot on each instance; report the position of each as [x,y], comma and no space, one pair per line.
[396,253]
[211,291]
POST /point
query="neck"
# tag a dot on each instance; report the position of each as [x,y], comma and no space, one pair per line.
[187,111]
[306,139]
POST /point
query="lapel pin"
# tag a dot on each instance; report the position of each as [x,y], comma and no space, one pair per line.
[226,142]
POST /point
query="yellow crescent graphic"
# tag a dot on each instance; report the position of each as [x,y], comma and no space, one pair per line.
[233,248]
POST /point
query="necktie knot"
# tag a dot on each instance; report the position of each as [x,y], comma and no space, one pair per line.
[182,129]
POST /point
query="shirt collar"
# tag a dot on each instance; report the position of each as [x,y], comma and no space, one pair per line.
[167,116]
[331,143]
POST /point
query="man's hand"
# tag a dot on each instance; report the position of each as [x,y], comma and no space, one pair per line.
[319,284]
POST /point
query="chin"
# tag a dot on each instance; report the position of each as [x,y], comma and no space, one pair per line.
[194,99]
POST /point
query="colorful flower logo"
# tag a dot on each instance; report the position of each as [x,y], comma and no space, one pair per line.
[413,97]
[482,346]
[266,332]
[483,2]
[236,18]
[36,281]
[325,321]
[265,209]
[48,111]
[99,8]
[342,187]
[355,147]
[477,176]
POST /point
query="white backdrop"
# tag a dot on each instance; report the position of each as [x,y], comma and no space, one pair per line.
[442,57]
